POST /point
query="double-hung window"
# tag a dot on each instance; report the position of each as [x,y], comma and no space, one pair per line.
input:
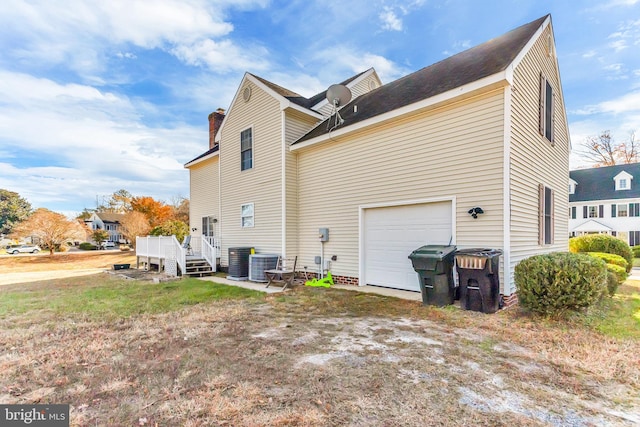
[247,215]
[246,149]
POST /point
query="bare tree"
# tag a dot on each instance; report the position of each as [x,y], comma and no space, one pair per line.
[602,150]
[50,228]
[134,224]
[628,150]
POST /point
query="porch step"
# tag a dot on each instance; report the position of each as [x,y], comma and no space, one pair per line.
[198,267]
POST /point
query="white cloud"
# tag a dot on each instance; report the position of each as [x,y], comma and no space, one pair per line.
[80,129]
[390,20]
[589,54]
[629,102]
[80,33]
[222,56]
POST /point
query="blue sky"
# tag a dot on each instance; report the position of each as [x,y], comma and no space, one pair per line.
[96,96]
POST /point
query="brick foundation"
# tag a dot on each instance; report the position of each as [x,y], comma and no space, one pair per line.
[510,301]
[338,280]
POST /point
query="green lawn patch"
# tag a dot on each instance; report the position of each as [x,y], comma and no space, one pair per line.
[112,297]
[618,317]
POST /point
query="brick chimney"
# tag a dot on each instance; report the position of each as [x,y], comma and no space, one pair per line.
[215,120]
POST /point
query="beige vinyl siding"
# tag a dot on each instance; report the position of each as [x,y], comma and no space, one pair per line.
[362,86]
[533,159]
[455,151]
[296,125]
[259,185]
[204,193]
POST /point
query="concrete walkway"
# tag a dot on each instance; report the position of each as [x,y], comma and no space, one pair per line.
[262,287]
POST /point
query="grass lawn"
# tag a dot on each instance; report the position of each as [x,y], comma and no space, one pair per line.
[194,353]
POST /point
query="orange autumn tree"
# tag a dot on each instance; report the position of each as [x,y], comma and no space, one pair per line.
[134,224]
[51,229]
[155,211]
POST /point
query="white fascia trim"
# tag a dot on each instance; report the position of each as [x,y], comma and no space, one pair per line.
[283,179]
[362,280]
[285,103]
[202,159]
[605,202]
[507,288]
[352,83]
[530,43]
[233,101]
[494,79]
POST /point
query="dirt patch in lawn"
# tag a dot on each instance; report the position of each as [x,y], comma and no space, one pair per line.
[318,357]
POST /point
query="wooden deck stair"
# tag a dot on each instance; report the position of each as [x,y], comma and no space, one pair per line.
[198,267]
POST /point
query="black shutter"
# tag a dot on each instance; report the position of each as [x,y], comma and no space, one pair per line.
[573,212]
[613,211]
[585,212]
[601,211]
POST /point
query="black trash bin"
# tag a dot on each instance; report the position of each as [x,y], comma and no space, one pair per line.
[434,265]
[479,279]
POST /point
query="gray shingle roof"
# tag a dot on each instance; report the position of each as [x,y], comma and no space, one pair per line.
[299,99]
[466,67]
[598,183]
[206,153]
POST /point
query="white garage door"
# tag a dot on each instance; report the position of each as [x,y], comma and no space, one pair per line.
[392,233]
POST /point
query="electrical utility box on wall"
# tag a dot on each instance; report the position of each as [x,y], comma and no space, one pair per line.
[324,234]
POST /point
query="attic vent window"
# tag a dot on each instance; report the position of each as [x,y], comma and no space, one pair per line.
[246,94]
[372,85]
[549,46]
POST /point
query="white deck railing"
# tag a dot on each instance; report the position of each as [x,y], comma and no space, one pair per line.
[172,255]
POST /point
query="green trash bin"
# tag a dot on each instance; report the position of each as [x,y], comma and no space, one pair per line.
[434,265]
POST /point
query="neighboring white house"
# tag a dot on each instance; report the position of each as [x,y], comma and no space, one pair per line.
[401,166]
[606,200]
[107,221]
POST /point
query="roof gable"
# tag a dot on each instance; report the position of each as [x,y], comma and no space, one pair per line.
[599,183]
[472,65]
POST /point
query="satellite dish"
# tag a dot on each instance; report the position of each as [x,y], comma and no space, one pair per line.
[338,95]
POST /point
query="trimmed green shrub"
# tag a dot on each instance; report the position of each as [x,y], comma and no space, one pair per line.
[552,284]
[636,251]
[602,243]
[611,259]
[612,283]
[620,272]
[86,246]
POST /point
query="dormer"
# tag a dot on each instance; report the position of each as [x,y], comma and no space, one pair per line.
[623,181]
[572,186]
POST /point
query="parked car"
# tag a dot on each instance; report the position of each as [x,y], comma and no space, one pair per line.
[106,245]
[34,249]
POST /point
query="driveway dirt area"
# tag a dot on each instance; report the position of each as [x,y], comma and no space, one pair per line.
[319,357]
[35,268]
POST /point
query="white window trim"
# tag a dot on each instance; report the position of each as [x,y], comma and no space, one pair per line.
[597,209]
[253,215]
[626,210]
[623,176]
[253,148]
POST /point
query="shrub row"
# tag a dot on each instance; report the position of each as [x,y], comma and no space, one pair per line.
[602,243]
